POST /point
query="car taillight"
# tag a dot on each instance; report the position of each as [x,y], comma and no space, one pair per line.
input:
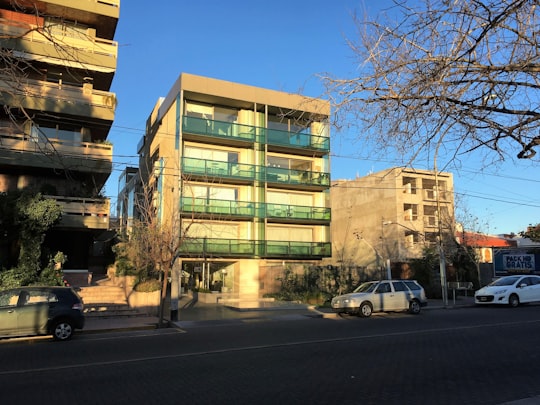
[78,306]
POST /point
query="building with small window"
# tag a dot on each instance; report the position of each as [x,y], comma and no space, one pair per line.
[244,173]
[390,216]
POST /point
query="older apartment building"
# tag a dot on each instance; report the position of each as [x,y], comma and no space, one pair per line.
[244,172]
[58,111]
[390,216]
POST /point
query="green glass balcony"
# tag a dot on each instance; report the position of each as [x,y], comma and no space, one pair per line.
[220,129]
[211,247]
[206,247]
[213,168]
[300,140]
[297,177]
[217,207]
[298,212]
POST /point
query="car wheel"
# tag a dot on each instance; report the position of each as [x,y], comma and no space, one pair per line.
[513,301]
[414,307]
[62,330]
[365,310]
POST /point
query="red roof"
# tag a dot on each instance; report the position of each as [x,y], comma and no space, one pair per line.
[480,240]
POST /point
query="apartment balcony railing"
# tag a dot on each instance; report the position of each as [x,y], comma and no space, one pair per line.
[301,141]
[218,169]
[86,51]
[90,213]
[297,140]
[299,212]
[275,175]
[250,209]
[56,153]
[296,177]
[210,247]
[46,96]
[219,129]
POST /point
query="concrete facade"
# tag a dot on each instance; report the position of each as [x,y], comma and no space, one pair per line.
[243,173]
[390,215]
[58,111]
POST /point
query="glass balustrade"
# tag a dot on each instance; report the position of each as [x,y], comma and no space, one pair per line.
[211,247]
[251,209]
[230,130]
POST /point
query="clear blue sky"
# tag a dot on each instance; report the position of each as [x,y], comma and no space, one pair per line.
[280,45]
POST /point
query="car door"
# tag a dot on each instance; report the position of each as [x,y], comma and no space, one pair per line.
[8,313]
[32,312]
[382,297]
[401,296]
[528,290]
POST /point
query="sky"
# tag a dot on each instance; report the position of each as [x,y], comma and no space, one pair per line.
[283,45]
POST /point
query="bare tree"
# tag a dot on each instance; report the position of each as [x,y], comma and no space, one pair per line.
[458,73]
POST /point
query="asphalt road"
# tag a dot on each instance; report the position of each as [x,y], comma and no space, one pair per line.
[449,356]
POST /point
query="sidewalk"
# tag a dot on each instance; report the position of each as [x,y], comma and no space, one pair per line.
[200,314]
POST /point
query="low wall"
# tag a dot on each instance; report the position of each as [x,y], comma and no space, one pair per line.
[146,302]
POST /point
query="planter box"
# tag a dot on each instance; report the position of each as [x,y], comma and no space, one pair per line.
[146,302]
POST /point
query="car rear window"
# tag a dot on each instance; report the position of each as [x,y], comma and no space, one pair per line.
[412,285]
[399,286]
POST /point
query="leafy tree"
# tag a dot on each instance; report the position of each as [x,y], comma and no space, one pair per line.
[30,216]
[461,73]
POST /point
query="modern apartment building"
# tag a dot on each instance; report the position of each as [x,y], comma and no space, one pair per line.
[390,215]
[243,172]
[59,60]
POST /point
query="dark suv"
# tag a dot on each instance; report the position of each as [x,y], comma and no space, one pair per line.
[27,311]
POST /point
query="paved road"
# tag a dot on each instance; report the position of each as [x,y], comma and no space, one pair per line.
[465,356]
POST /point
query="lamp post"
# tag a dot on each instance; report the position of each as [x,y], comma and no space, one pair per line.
[359,236]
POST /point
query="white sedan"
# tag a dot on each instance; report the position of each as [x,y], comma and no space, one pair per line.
[510,290]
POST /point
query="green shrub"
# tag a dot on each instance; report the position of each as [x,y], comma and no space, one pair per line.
[148,286]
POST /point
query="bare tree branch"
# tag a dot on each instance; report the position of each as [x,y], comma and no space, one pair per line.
[466,72]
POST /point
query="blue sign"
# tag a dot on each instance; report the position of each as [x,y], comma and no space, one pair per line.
[516,261]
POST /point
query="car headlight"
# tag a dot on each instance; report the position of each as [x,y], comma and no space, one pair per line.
[500,292]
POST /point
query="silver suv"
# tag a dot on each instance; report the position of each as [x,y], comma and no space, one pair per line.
[382,296]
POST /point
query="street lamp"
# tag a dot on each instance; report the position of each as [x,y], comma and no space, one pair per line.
[359,236]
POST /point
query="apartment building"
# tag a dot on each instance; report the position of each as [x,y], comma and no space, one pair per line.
[58,64]
[243,172]
[390,216]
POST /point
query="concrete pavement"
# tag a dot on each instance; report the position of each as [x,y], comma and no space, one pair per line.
[199,314]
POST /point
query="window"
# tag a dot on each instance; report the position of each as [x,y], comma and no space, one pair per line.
[383,288]
[399,286]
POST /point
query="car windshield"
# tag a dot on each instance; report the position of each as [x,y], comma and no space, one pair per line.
[365,287]
[505,281]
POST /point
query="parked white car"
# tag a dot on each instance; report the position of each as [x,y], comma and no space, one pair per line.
[510,290]
[382,296]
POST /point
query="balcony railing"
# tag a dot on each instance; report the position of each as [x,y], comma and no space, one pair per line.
[250,209]
[209,247]
[218,207]
[213,168]
[78,212]
[221,129]
[37,92]
[96,46]
[296,177]
[27,143]
[301,140]
[229,130]
[240,171]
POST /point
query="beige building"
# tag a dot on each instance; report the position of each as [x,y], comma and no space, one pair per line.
[58,111]
[391,216]
[244,173]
